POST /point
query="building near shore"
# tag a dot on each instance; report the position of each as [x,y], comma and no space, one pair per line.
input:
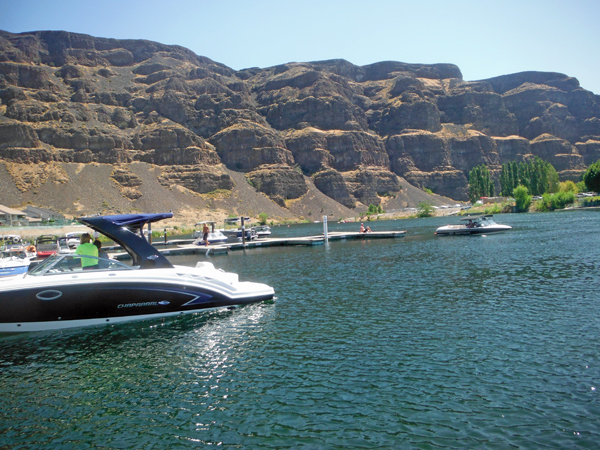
[12,217]
[36,214]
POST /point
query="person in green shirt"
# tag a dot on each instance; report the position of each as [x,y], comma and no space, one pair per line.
[86,248]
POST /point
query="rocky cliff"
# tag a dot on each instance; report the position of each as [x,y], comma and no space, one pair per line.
[354,133]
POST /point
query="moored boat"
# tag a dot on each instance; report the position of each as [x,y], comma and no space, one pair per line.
[6,239]
[63,245]
[214,236]
[262,230]
[480,224]
[67,290]
[13,261]
[46,245]
[236,232]
[74,238]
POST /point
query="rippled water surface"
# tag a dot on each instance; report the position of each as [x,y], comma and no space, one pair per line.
[421,342]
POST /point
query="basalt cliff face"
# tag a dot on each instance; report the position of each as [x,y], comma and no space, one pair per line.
[354,133]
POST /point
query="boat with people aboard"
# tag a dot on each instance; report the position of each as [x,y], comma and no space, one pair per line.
[473,224]
[214,236]
[59,293]
[28,249]
[13,261]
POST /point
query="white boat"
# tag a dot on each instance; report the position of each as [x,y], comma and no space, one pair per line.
[481,224]
[262,230]
[74,238]
[58,293]
[236,233]
[13,261]
[214,236]
[64,246]
[10,239]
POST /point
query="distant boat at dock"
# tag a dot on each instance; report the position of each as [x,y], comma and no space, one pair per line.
[263,230]
[214,236]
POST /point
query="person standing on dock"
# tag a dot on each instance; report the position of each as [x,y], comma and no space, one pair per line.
[205,234]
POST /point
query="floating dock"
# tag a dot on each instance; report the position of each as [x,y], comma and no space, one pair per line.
[184,247]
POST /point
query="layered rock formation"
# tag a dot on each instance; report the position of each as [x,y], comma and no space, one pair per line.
[354,131]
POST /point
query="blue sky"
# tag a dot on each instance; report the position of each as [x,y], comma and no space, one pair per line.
[483,38]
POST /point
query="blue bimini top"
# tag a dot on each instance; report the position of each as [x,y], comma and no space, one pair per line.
[125,230]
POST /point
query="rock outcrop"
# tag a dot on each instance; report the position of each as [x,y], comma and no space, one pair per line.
[355,131]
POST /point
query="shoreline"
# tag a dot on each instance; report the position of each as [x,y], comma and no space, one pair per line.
[178,223]
[174,224]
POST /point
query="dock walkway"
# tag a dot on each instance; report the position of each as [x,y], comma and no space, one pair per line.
[185,248]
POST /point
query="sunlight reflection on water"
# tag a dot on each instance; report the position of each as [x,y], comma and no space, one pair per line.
[418,342]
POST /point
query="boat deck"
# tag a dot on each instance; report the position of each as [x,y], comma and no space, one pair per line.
[184,247]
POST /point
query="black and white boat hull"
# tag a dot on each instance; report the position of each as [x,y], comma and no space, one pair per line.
[61,293]
[451,230]
[473,225]
[78,300]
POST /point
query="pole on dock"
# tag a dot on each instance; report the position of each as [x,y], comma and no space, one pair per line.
[325,228]
[243,232]
[149,232]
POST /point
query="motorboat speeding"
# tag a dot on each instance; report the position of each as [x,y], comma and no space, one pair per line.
[482,224]
[60,293]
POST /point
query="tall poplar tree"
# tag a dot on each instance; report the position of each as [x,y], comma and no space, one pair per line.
[537,175]
[480,183]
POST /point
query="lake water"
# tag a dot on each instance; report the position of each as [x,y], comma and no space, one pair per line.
[421,342]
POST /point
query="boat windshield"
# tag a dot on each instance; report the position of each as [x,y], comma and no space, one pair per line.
[478,221]
[47,246]
[58,264]
[13,254]
[486,221]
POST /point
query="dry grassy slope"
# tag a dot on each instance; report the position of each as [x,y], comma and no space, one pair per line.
[90,190]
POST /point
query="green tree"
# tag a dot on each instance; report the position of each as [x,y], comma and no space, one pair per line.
[480,183]
[552,182]
[509,178]
[568,186]
[505,180]
[550,202]
[537,175]
[522,198]
[262,218]
[374,209]
[425,210]
[591,177]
